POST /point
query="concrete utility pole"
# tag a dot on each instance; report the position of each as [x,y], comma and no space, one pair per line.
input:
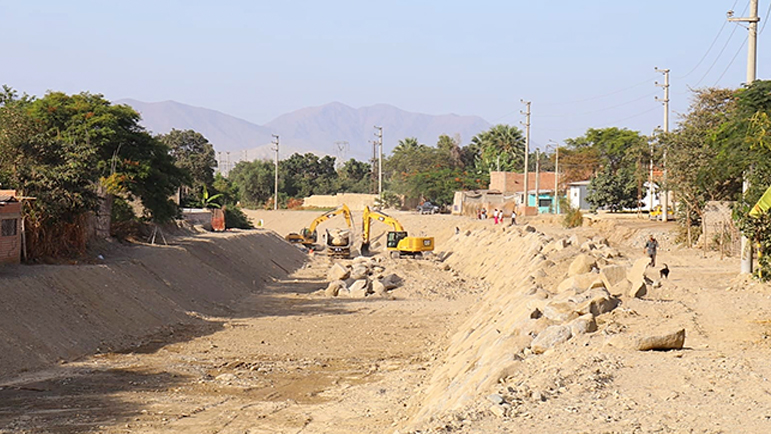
[275,191]
[752,56]
[537,178]
[556,204]
[527,147]
[379,135]
[665,101]
[650,180]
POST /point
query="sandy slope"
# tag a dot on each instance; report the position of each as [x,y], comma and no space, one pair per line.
[267,353]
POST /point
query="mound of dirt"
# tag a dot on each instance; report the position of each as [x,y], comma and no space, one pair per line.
[59,313]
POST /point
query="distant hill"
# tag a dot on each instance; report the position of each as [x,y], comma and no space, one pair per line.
[324,125]
[312,129]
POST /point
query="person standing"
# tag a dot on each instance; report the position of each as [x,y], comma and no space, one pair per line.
[495,216]
[513,217]
[650,249]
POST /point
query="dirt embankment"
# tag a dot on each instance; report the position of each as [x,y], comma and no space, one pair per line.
[59,313]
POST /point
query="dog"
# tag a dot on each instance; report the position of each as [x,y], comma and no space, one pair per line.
[664,272]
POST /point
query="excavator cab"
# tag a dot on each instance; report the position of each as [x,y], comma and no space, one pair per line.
[394,237]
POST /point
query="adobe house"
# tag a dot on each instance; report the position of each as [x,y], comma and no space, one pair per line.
[10,227]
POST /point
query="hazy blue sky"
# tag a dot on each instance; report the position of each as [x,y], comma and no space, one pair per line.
[582,63]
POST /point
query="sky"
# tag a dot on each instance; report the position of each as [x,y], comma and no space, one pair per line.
[582,64]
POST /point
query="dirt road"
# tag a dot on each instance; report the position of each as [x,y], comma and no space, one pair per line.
[289,360]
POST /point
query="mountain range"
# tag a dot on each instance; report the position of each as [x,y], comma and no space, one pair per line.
[323,130]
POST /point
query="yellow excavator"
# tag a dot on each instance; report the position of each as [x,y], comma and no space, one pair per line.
[397,240]
[308,236]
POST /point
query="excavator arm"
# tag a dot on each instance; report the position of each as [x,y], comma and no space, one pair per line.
[328,215]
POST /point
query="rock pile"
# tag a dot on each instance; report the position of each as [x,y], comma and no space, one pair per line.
[359,278]
[531,313]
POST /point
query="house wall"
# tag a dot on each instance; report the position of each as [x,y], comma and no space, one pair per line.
[10,245]
[577,197]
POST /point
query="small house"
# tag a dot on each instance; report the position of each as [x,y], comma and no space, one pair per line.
[577,192]
[10,227]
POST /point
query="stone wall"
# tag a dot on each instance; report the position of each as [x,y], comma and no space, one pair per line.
[355,201]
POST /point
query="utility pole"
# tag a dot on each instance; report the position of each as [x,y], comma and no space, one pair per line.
[527,147]
[556,204]
[275,186]
[752,56]
[665,101]
[537,178]
[650,180]
[372,163]
[379,135]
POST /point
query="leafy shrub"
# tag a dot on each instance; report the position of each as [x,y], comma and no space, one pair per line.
[235,218]
[293,203]
[389,199]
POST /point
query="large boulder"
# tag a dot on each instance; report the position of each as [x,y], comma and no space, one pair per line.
[334,288]
[391,281]
[560,311]
[582,264]
[582,325]
[637,289]
[550,337]
[338,272]
[637,273]
[378,288]
[359,272]
[612,275]
[339,237]
[359,288]
[671,341]
[595,301]
[580,283]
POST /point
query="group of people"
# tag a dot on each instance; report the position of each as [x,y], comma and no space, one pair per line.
[497,216]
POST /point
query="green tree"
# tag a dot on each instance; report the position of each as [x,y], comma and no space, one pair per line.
[354,176]
[501,146]
[254,181]
[195,156]
[613,191]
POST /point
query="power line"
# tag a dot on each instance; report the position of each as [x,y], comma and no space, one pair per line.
[710,46]
[599,110]
[768,13]
[633,116]
[648,80]
[720,53]
[731,62]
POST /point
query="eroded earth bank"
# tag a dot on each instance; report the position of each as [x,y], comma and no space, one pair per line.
[506,329]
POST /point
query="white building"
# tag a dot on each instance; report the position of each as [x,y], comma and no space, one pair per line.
[577,192]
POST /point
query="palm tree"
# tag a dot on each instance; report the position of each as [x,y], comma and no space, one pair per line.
[501,146]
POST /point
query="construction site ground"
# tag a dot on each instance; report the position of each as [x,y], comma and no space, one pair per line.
[281,357]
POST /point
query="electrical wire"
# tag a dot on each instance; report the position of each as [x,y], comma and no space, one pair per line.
[720,53]
[768,13]
[598,110]
[633,116]
[731,62]
[648,80]
[725,22]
